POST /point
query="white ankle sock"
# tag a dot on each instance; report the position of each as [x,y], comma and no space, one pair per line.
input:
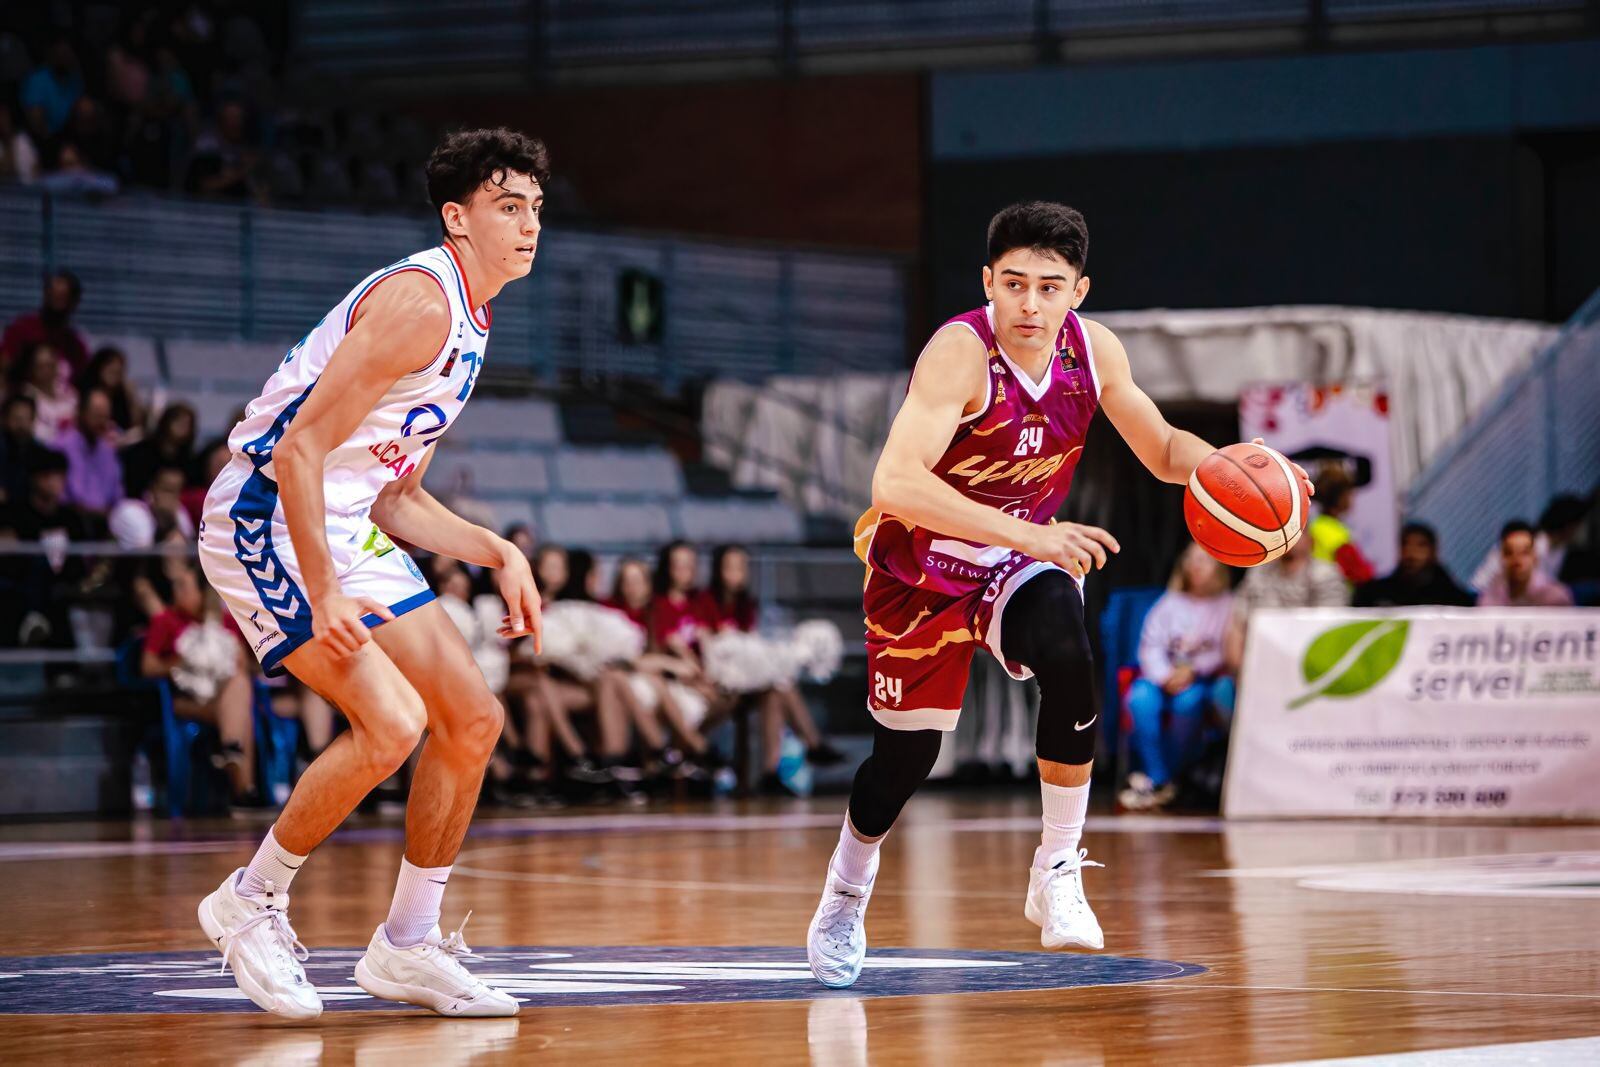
[855,861]
[272,863]
[418,895]
[1065,808]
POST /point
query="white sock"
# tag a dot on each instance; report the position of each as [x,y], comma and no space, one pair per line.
[418,895]
[272,863]
[1065,808]
[855,860]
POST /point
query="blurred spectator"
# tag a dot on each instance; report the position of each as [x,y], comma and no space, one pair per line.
[1559,525]
[108,370]
[89,131]
[170,445]
[48,94]
[127,70]
[18,446]
[1521,583]
[1418,579]
[680,608]
[36,374]
[225,157]
[51,325]
[94,478]
[1182,678]
[35,589]
[211,462]
[1331,539]
[209,677]
[75,175]
[731,606]
[1295,579]
[19,159]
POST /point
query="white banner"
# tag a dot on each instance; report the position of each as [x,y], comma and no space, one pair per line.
[1345,425]
[1431,712]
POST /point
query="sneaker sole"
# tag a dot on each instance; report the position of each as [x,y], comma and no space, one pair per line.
[248,985]
[439,1003]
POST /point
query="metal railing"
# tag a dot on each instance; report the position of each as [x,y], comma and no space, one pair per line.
[1538,438]
[180,268]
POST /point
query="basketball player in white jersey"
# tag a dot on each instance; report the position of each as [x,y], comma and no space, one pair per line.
[327,462]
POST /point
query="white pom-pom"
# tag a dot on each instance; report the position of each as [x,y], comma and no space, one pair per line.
[745,663]
[583,637]
[818,650]
[208,656]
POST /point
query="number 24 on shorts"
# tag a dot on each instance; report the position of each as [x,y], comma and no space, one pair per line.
[886,690]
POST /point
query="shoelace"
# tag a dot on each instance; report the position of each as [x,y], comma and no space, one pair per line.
[1060,880]
[274,917]
[453,950]
[837,918]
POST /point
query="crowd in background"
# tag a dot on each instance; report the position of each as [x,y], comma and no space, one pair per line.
[188,97]
[1191,647]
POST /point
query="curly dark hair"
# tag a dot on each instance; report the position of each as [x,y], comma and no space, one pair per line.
[1042,226]
[467,158]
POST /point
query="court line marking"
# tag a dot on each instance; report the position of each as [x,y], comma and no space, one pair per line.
[1572,1050]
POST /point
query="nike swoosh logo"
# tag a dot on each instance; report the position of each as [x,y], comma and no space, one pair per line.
[1084,725]
[437,881]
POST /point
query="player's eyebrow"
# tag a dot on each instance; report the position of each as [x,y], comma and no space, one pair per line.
[1044,277]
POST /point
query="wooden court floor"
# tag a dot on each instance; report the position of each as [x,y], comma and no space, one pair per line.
[672,936]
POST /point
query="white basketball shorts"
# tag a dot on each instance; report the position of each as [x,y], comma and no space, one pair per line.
[248,559]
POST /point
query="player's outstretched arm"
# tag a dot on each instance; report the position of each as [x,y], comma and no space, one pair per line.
[405,510]
[1171,454]
[400,326]
[950,378]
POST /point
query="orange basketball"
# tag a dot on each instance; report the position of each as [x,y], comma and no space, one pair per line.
[1245,505]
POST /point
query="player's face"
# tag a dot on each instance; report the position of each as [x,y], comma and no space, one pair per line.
[1032,292]
[502,222]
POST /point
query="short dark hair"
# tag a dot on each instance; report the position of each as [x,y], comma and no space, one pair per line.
[25,399]
[1562,511]
[48,461]
[74,286]
[1515,526]
[1053,229]
[467,158]
[87,394]
[1422,530]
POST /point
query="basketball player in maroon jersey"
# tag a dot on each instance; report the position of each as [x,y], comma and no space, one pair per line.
[962,550]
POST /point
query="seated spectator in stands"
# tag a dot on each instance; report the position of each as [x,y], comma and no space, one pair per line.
[225,159]
[72,174]
[51,325]
[1295,579]
[1331,539]
[18,446]
[1418,579]
[37,374]
[731,606]
[660,683]
[211,683]
[19,159]
[1182,678]
[1559,525]
[36,588]
[200,476]
[91,135]
[1521,583]
[48,93]
[94,478]
[170,445]
[108,370]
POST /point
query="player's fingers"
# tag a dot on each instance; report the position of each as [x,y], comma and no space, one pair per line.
[1104,537]
[1098,553]
[374,607]
[538,631]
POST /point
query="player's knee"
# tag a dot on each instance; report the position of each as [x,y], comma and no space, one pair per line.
[391,740]
[479,725]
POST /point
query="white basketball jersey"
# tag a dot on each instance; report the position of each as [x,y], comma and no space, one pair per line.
[412,415]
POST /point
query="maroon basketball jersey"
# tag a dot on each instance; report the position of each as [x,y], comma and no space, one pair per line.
[1016,453]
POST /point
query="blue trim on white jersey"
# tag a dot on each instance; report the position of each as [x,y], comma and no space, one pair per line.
[399,608]
[388,272]
[461,287]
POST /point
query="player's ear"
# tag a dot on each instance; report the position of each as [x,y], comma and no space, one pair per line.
[988,282]
[1080,290]
[455,222]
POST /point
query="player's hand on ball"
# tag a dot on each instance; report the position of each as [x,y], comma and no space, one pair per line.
[1305,479]
[523,608]
[337,621]
[1076,548]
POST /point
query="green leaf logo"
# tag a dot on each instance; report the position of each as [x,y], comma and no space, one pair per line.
[1349,660]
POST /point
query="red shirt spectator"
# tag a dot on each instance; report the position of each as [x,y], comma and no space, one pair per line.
[161,639]
[50,325]
[682,615]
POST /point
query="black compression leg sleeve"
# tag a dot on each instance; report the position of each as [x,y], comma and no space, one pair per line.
[900,760]
[1043,629]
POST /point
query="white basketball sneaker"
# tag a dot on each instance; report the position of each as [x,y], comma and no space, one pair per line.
[256,941]
[836,943]
[1057,906]
[430,974]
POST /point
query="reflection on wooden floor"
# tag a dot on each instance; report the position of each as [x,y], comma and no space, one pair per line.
[1304,940]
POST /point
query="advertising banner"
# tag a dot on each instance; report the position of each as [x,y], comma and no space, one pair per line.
[1418,712]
